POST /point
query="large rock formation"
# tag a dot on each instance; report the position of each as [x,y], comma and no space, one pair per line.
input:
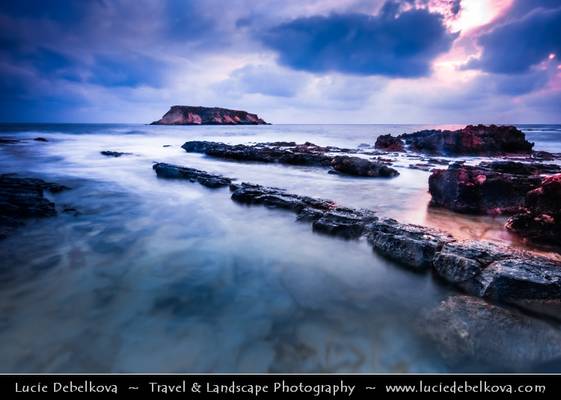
[489,188]
[471,140]
[294,154]
[189,115]
[467,329]
[540,220]
[22,199]
[389,143]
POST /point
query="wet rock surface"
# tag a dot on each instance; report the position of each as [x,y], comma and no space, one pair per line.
[389,143]
[471,140]
[170,171]
[465,328]
[291,153]
[22,199]
[483,189]
[110,153]
[540,220]
[190,115]
[326,217]
[410,245]
[283,152]
[362,167]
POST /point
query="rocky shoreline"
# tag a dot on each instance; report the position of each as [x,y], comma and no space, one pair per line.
[490,325]
[480,268]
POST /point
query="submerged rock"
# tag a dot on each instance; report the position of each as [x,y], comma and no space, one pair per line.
[389,143]
[22,199]
[190,115]
[540,220]
[471,140]
[170,171]
[482,189]
[469,329]
[109,153]
[362,167]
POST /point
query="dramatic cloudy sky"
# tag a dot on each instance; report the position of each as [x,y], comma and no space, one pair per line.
[291,61]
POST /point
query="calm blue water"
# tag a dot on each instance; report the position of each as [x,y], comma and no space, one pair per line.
[168,276]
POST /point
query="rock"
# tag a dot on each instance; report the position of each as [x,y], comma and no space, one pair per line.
[8,141]
[357,166]
[498,272]
[189,115]
[421,166]
[389,143]
[468,329]
[40,139]
[326,217]
[343,222]
[170,171]
[543,155]
[540,221]
[471,140]
[459,262]
[410,245]
[22,199]
[479,189]
[109,153]
[303,154]
[277,198]
[519,277]
[519,168]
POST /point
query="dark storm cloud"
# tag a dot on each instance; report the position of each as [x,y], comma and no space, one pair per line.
[523,38]
[392,43]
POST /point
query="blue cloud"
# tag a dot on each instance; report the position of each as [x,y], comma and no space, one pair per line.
[128,70]
[390,44]
[263,79]
[524,38]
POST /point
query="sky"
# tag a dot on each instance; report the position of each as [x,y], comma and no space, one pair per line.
[290,61]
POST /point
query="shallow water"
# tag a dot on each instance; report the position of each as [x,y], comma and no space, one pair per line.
[168,276]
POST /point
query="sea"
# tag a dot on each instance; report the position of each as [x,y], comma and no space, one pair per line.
[155,275]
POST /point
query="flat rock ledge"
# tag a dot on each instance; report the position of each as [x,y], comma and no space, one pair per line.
[290,153]
[170,171]
[467,329]
[480,268]
[22,199]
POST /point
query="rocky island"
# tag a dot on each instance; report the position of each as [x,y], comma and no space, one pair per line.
[191,115]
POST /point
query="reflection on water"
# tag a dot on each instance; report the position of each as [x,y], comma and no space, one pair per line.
[157,275]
